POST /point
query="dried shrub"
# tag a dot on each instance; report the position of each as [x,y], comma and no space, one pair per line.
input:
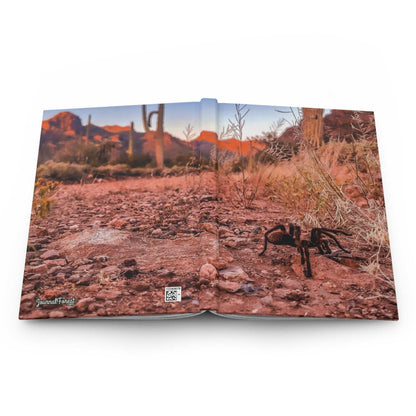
[317,197]
[42,197]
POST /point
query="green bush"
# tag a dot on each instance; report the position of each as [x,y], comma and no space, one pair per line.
[62,171]
[140,161]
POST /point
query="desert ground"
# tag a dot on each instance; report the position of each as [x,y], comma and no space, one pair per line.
[115,245]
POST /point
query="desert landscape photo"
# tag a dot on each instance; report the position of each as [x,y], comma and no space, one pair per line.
[257,210]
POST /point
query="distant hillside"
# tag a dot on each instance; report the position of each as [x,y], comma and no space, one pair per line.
[64,123]
[116,129]
[65,129]
[208,139]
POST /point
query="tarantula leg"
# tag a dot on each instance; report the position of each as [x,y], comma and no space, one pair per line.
[296,230]
[335,240]
[308,271]
[265,247]
[291,229]
[302,256]
[336,231]
[321,248]
[326,247]
[315,237]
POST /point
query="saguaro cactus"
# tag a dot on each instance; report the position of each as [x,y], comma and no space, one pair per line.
[312,126]
[158,134]
[87,134]
[130,151]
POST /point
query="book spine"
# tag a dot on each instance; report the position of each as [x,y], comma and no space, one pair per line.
[209,243]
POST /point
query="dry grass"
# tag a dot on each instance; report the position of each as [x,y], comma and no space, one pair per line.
[43,197]
[310,184]
[244,187]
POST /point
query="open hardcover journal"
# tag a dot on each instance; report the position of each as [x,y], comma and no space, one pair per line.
[172,210]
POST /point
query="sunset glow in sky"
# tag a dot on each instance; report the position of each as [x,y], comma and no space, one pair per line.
[179,115]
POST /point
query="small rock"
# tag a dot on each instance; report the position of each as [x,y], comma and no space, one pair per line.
[42,269]
[50,254]
[129,273]
[55,263]
[293,284]
[118,223]
[210,228]
[248,288]
[267,300]
[220,262]
[157,232]
[83,281]
[108,294]
[341,307]
[54,270]
[74,278]
[206,198]
[83,304]
[110,272]
[80,262]
[140,287]
[51,294]
[230,287]
[296,295]
[165,273]
[84,268]
[101,258]
[355,312]
[93,307]
[29,297]
[233,272]
[208,272]
[224,232]
[130,262]
[257,230]
[56,314]
[282,293]
[234,242]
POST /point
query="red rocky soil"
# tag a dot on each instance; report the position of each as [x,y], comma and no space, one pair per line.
[115,246]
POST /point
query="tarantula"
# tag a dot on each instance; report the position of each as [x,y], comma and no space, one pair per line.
[279,236]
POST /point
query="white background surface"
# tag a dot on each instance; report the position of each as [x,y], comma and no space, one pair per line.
[354,55]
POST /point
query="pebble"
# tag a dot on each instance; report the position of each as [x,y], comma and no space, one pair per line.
[230,287]
[50,254]
[208,272]
[129,262]
[101,258]
[157,233]
[56,314]
[83,304]
[234,272]
[267,300]
[234,242]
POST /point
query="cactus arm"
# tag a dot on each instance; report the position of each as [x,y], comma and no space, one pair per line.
[149,120]
[144,117]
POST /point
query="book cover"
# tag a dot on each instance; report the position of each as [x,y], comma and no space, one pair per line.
[170,210]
